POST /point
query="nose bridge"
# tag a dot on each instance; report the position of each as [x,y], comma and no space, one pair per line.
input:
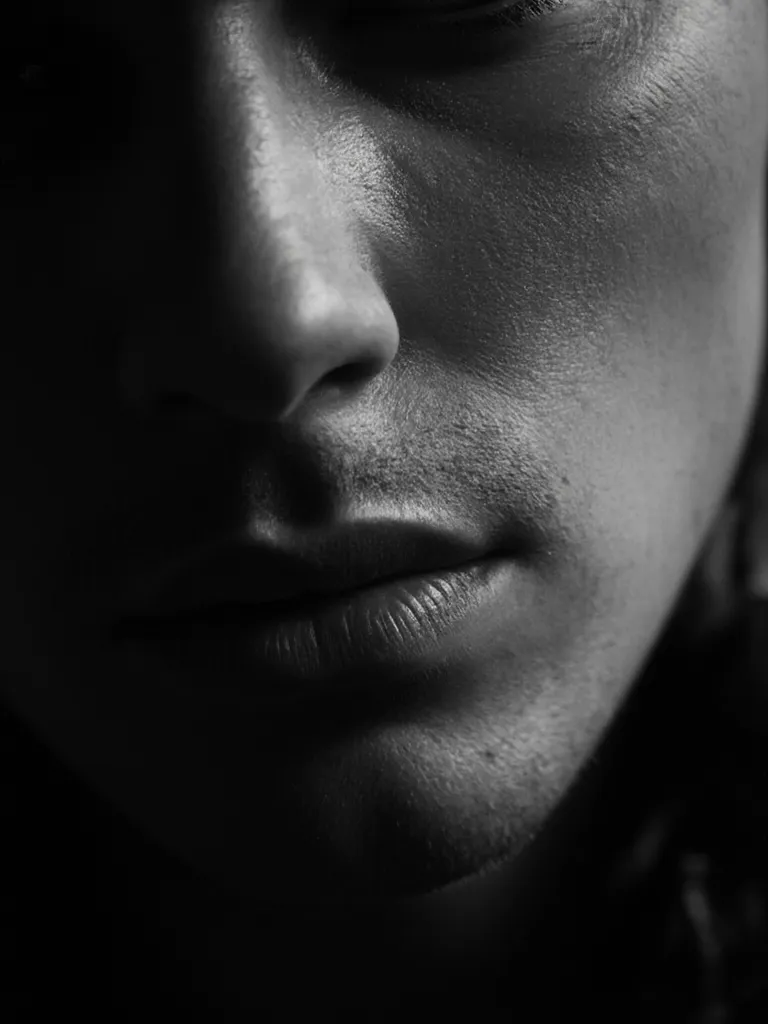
[274,215]
[276,294]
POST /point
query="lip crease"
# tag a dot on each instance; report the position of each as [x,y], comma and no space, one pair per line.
[342,611]
[344,642]
[252,576]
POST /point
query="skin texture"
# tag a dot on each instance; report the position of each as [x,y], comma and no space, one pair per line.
[285,277]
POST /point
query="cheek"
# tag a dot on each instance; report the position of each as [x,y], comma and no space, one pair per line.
[662,346]
[651,453]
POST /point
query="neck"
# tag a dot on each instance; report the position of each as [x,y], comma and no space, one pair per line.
[505,924]
[244,957]
[456,945]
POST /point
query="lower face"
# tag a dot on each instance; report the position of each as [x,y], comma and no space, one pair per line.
[573,247]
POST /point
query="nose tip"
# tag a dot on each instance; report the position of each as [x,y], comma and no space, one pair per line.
[259,345]
[324,338]
[267,368]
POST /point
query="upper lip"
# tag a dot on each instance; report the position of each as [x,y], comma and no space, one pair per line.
[257,572]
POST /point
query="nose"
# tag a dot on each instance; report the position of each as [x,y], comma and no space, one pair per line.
[263,295]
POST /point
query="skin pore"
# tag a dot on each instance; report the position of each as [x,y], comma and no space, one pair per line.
[267,271]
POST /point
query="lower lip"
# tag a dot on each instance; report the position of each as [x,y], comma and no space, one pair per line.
[395,627]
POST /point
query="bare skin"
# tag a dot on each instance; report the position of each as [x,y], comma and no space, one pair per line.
[304,267]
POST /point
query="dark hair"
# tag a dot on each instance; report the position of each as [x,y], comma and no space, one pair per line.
[675,923]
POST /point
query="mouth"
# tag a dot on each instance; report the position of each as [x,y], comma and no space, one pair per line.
[279,650]
[370,600]
[246,613]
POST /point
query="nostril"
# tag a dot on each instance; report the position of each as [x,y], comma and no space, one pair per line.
[351,373]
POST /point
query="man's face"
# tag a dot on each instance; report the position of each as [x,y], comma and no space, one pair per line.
[259,267]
